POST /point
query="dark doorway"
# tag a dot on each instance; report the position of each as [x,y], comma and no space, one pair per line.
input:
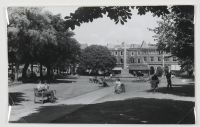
[152,70]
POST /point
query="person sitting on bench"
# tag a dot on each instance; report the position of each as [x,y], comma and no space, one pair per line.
[44,87]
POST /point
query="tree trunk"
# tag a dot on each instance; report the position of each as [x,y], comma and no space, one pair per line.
[60,71]
[48,73]
[24,76]
[41,74]
[57,70]
[31,68]
[12,68]
[16,72]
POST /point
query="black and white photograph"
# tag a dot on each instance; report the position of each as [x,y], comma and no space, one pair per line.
[101,64]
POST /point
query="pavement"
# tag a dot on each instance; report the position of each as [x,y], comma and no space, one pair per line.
[90,94]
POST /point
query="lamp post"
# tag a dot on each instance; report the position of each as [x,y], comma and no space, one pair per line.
[125,64]
[163,60]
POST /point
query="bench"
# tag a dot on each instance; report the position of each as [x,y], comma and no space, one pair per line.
[44,95]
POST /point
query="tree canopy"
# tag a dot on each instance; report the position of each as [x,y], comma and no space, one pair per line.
[97,58]
[36,36]
[120,14]
[175,34]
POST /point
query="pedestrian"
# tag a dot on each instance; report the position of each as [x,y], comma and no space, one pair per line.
[154,82]
[169,82]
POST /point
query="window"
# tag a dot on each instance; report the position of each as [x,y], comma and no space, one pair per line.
[174,59]
[116,53]
[121,53]
[159,58]
[138,60]
[121,60]
[166,59]
[132,53]
[152,58]
[145,58]
[132,60]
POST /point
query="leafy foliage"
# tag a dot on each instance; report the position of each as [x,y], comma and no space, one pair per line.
[97,58]
[35,36]
[175,34]
[120,14]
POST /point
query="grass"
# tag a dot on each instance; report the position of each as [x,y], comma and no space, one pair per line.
[134,111]
[16,98]
[179,90]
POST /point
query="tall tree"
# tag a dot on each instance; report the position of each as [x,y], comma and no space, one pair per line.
[40,37]
[24,30]
[97,58]
[175,34]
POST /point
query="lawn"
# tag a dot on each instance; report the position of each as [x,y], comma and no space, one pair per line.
[133,111]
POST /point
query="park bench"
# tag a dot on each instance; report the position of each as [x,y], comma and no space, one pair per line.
[44,95]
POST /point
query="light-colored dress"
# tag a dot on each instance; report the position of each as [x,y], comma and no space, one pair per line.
[118,88]
[42,87]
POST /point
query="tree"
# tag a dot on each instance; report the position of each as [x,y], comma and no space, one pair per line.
[120,14]
[97,58]
[23,33]
[36,36]
[175,34]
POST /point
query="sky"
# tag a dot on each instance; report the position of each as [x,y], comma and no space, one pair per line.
[104,31]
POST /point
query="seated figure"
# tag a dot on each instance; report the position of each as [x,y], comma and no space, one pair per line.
[42,87]
[119,87]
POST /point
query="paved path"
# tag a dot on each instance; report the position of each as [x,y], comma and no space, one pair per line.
[133,90]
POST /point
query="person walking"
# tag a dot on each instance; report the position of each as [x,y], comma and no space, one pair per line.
[154,82]
[169,82]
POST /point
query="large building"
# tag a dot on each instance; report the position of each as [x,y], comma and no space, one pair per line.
[144,58]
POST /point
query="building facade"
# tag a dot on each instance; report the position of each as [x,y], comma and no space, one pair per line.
[144,58]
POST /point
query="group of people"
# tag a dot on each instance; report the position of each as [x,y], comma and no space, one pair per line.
[155,81]
[45,88]
[119,87]
[101,81]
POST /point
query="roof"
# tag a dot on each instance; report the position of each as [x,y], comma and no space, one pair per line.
[117,69]
[143,45]
[138,67]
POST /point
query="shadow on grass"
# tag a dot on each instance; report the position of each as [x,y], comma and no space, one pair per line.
[132,111]
[180,90]
[15,98]
[46,114]
[63,81]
